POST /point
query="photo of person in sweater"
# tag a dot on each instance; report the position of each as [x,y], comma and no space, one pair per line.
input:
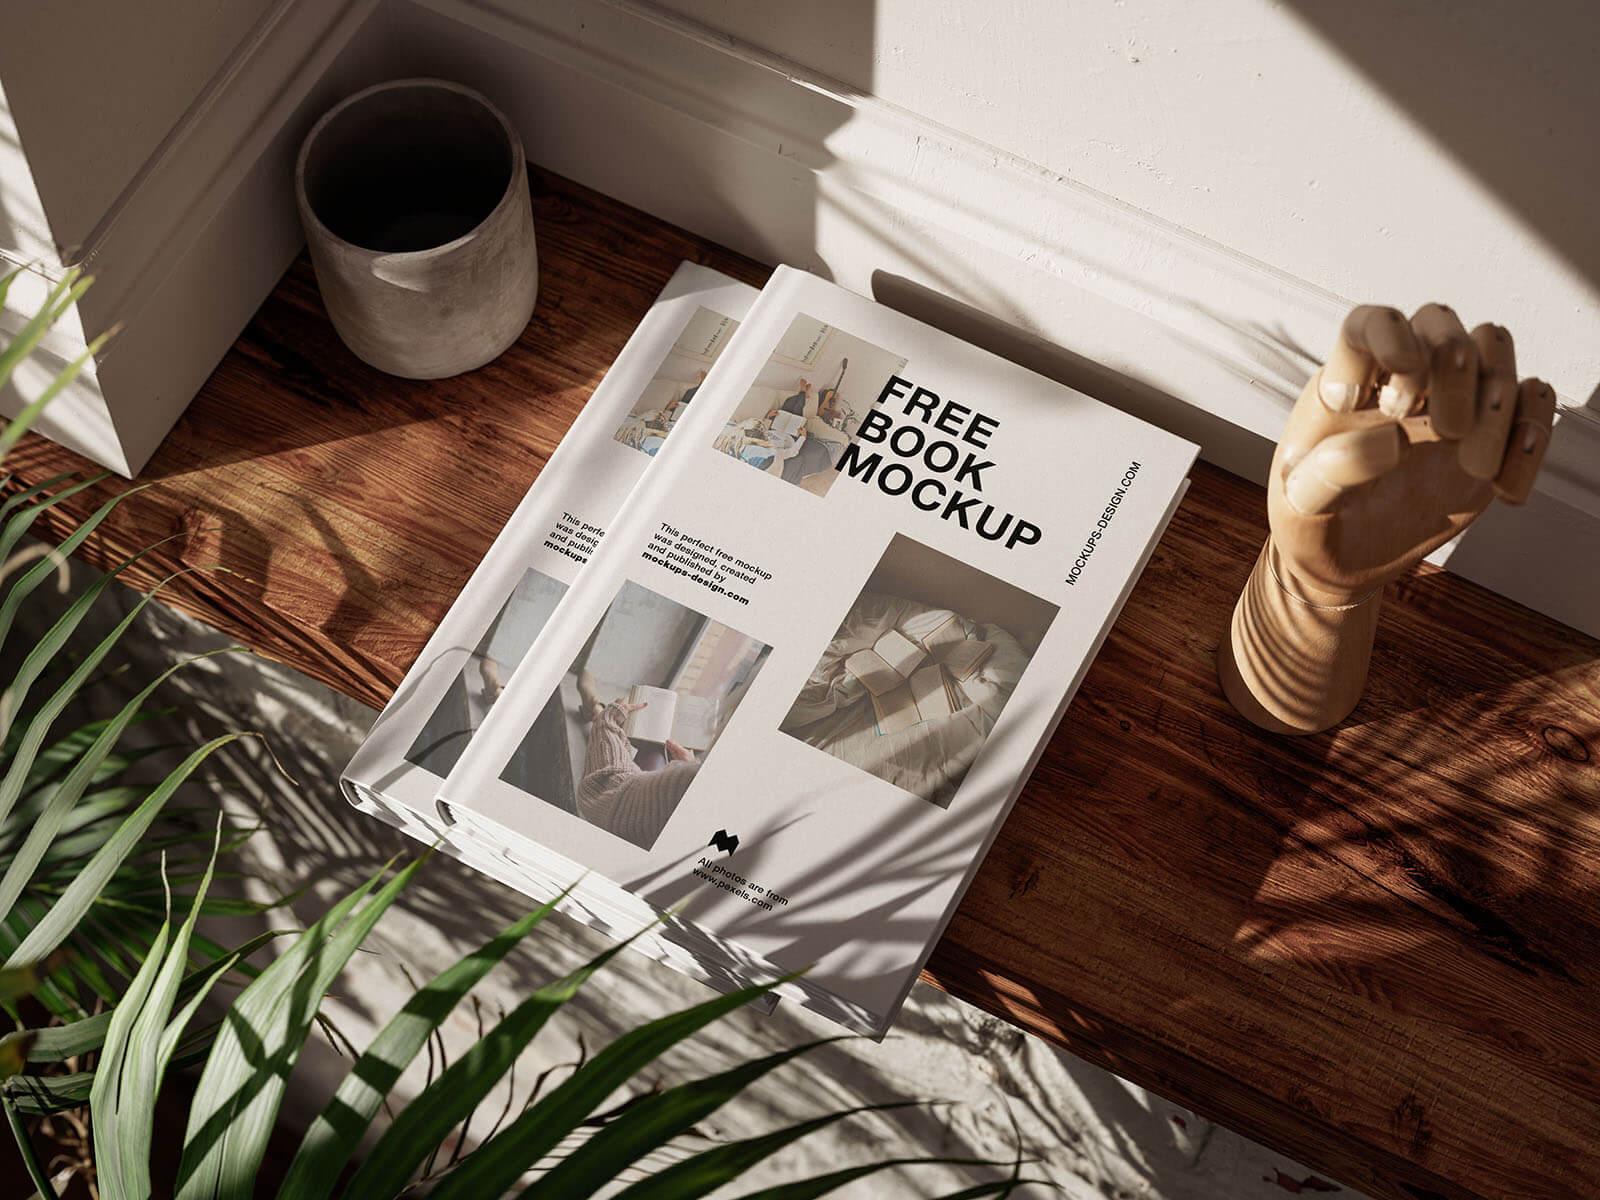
[635,715]
[626,789]
[807,403]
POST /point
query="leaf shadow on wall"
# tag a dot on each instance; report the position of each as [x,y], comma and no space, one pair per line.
[1511,92]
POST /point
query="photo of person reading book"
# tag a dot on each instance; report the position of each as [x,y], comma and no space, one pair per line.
[919,670]
[621,740]
[796,426]
[630,791]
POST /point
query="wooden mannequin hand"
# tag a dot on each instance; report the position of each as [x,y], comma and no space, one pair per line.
[1396,445]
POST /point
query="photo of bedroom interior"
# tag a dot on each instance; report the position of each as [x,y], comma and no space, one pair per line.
[807,403]
[666,397]
[919,669]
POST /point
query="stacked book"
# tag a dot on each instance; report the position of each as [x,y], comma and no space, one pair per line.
[766,654]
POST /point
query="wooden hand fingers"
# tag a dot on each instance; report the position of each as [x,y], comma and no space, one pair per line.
[1340,462]
[1529,435]
[1374,340]
[1440,383]
[1483,447]
[1452,369]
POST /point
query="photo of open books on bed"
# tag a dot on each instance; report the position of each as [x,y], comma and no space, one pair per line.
[622,739]
[807,403]
[665,398]
[913,681]
[919,670]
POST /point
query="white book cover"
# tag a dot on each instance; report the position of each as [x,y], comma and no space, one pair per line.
[473,653]
[936,482]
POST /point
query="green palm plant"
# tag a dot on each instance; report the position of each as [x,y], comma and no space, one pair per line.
[236,1102]
[105,986]
[80,902]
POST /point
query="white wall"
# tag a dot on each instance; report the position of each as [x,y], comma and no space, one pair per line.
[150,143]
[95,87]
[1168,206]
[1398,152]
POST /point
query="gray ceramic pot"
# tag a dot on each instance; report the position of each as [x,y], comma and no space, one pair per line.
[414,197]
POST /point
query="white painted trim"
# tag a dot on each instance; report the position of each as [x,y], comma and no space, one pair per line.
[177,311]
[219,139]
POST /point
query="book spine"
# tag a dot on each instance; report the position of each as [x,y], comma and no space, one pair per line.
[380,765]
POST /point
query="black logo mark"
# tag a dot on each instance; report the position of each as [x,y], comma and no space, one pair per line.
[724,841]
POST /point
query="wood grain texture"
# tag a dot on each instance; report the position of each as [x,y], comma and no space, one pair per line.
[1376,949]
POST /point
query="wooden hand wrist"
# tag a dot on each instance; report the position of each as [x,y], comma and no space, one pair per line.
[1291,663]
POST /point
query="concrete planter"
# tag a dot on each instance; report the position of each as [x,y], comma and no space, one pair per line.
[414,197]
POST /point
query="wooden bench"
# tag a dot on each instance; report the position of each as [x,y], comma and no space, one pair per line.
[1376,950]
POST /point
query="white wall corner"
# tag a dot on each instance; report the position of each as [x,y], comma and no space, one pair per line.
[198,237]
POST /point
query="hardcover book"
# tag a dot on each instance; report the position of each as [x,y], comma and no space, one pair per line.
[937,522]
[460,674]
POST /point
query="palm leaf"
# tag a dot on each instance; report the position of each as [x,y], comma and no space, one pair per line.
[41,1095]
[40,658]
[703,1173]
[496,1165]
[23,495]
[53,816]
[236,1102]
[337,1131]
[59,1042]
[39,572]
[461,1087]
[51,762]
[90,808]
[30,1161]
[63,296]
[651,1123]
[66,912]
[21,423]
[115,1172]
[139,1043]
[821,1185]
[16,982]
[16,526]
[54,991]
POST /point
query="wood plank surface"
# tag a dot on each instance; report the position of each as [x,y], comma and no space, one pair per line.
[1376,949]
